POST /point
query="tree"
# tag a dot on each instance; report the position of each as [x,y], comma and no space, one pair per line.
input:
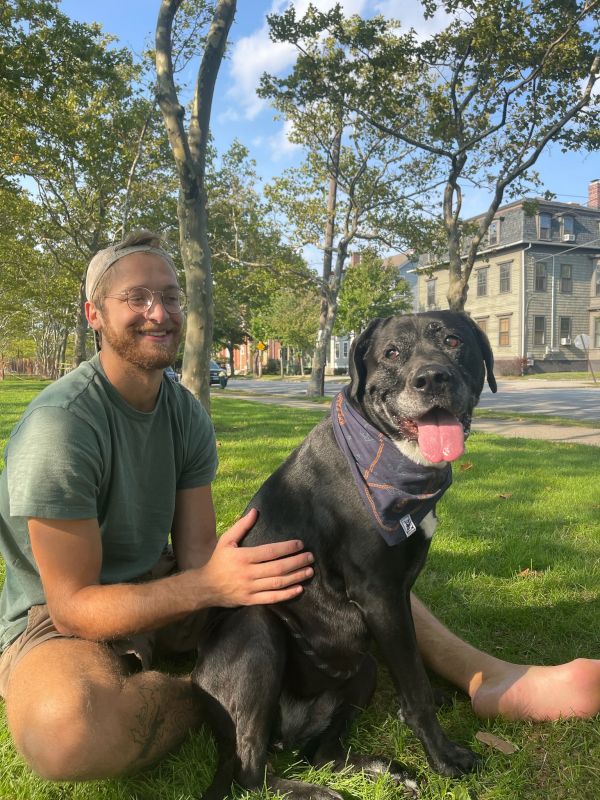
[71,127]
[371,289]
[250,263]
[293,319]
[189,150]
[352,186]
[483,98]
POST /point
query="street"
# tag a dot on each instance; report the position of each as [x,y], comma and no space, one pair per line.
[559,398]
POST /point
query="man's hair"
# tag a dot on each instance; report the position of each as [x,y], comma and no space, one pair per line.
[142,237]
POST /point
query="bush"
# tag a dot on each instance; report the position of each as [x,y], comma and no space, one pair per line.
[510,366]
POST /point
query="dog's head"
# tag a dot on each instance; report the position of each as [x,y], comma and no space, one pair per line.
[418,377]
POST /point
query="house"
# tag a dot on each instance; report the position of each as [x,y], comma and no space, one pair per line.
[535,286]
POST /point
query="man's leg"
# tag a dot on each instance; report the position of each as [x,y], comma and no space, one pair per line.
[496,687]
[75,714]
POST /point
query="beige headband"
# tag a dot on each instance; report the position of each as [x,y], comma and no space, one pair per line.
[104,259]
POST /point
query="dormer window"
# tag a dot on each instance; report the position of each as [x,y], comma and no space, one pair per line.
[494,232]
[545,225]
[568,228]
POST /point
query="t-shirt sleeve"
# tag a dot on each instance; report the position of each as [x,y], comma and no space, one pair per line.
[201,461]
[54,466]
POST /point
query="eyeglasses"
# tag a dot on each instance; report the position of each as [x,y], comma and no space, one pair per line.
[140,299]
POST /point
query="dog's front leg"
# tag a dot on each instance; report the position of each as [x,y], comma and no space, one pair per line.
[396,638]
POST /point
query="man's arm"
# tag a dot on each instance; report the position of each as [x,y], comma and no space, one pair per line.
[69,556]
[194,528]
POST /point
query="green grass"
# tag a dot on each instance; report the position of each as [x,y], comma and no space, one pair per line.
[515,504]
[559,376]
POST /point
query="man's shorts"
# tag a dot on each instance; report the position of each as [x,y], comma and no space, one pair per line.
[138,651]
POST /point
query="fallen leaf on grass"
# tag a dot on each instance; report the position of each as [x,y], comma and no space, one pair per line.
[529,573]
[505,495]
[496,742]
[467,465]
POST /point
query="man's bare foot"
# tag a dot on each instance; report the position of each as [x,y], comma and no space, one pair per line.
[539,694]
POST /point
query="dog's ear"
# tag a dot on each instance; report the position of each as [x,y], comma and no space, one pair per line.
[486,351]
[356,360]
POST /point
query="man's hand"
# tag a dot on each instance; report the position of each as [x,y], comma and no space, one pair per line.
[243,576]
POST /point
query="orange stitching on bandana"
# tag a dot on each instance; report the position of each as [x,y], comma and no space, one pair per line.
[340,413]
[370,469]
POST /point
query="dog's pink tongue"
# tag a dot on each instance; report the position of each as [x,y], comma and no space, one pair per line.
[441,436]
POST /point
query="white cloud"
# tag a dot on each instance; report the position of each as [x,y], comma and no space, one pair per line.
[280,146]
[254,54]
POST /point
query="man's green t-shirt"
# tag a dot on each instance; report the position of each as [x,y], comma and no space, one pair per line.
[81,451]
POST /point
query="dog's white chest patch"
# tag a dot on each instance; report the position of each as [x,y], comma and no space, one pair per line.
[429,524]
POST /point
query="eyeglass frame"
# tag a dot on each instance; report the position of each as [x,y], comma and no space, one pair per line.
[153,292]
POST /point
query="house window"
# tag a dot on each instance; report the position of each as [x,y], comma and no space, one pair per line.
[430,293]
[598,281]
[483,324]
[494,232]
[337,350]
[345,349]
[566,279]
[545,225]
[505,277]
[482,282]
[568,228]
[597,332]
[565,328]
[541,276]
[504,331]
[539,330]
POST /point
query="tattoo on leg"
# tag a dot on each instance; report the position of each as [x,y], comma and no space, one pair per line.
[166,714]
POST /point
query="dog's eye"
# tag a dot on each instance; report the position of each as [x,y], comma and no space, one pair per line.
[452,341]
[392,353]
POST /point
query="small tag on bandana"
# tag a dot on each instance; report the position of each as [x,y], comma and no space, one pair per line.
[408,526]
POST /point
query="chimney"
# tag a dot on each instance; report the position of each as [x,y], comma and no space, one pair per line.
[594,194]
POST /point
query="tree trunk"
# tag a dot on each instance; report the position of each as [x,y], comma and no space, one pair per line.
[316,383]
[195,254]
[81,325]
[189,152]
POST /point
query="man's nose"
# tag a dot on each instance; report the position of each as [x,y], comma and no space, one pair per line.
[157,311]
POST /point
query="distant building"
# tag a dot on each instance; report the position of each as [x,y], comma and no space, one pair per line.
[535,286]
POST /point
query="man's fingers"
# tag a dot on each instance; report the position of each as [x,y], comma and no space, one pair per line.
[275,550]
[282,566]
[262,598]
[278,582]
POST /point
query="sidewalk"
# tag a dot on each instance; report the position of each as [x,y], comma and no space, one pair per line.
[523,429]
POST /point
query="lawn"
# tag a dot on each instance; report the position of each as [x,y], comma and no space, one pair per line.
[514,567]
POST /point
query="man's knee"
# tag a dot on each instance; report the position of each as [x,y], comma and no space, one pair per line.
[54,736]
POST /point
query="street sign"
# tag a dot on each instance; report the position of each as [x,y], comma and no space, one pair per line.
[261,346]
[582,341]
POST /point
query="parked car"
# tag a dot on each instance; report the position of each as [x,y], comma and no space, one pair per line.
[170,373]
[218,376]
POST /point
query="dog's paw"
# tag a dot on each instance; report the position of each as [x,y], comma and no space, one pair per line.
[454,761]
[298,790]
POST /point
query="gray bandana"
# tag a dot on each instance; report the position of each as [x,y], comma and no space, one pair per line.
[397,492]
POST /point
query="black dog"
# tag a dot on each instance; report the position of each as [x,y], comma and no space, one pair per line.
[360,491]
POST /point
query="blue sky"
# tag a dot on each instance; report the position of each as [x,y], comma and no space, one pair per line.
[239,113]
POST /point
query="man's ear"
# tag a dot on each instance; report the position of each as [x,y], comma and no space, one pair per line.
[92,314]
[356,361]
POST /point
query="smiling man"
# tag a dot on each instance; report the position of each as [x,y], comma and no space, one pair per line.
[103,466]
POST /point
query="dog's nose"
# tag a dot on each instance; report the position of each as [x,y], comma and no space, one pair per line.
[431,379]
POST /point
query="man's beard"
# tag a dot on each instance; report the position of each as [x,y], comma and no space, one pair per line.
[127,345]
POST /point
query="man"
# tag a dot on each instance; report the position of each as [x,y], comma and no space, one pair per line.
[104,464]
